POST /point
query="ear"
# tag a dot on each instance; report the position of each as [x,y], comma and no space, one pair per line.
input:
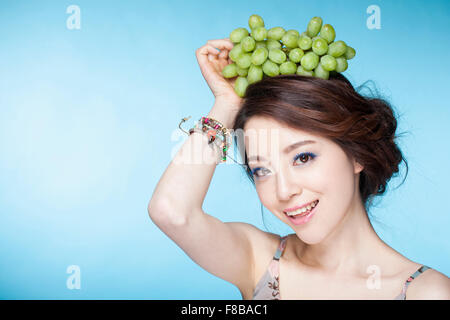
[357,167]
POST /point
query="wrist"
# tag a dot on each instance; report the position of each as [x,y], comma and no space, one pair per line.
[224,113]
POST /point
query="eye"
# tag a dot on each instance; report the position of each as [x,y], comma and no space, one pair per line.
[254,171]
[304,157]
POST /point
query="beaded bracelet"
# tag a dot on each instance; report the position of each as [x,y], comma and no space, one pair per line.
[205,124]
[217,134]
[214,129]
[213,143]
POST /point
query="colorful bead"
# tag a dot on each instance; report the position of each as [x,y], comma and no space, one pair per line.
[214,129]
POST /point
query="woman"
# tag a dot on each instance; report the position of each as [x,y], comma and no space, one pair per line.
[317,153]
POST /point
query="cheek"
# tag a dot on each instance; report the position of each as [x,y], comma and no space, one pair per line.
[338,183]
[265,194]
[268,197]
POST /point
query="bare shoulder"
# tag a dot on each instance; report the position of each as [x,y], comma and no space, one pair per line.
[430,285]
[263,243]
[263,246]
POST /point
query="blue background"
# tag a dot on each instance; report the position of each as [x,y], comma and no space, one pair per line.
[88,122]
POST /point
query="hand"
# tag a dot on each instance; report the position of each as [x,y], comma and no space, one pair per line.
[211,62]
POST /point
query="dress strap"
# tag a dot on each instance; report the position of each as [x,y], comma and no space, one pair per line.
[421,270]
[280,248]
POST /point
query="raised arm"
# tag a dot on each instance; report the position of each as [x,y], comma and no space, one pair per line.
[223,249]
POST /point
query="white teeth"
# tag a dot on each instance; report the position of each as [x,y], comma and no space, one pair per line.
[303,210]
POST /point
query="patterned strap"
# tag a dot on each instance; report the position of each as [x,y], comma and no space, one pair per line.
[274,270]
[421,270]
[280,248]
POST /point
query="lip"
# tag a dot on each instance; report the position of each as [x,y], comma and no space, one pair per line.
[299,207]
[304,219]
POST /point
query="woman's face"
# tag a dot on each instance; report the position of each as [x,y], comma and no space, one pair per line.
[316,169]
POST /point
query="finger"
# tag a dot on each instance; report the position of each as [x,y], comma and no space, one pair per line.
[206,50]
[212,58]
[223,54]
[203,52]
[221,44]
[222,64]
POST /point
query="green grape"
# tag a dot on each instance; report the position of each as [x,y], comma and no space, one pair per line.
[277,56]
[327,32]
[350,53]
[275,33]
[288,67]
[244,60]
[309,61]
[320,72]
[304,42]
[241,71]
[342,64]
[296,55]
[248,44]
[319,46]
[337,48]
[240,86]
[230,71]
[259,56]
[259,34]
[255,21]
[328,62]
[294,32]
[271,68]
[265,52]
[261,44]
[273,44]
[238,34]
[314,26]
[255,73]
[290,40]
[303,72]
[235,52]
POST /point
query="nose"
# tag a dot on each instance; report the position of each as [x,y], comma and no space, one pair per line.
[287,187]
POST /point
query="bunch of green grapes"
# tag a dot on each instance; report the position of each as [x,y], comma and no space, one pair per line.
[270,52]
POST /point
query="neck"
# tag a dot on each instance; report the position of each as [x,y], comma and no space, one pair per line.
[350,249]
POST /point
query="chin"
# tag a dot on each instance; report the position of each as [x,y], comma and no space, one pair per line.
[310,239]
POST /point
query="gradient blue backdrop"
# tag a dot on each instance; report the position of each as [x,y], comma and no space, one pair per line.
[88,122]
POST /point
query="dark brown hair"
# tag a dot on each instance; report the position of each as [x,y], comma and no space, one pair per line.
[364,127]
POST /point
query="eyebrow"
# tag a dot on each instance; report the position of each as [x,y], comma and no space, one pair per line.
[286,150]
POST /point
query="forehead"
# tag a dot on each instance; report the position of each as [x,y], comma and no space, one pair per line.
[263,129]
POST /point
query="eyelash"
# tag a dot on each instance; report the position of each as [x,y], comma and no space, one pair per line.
[310,156]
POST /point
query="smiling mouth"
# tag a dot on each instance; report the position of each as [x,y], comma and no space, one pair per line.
[303,211]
